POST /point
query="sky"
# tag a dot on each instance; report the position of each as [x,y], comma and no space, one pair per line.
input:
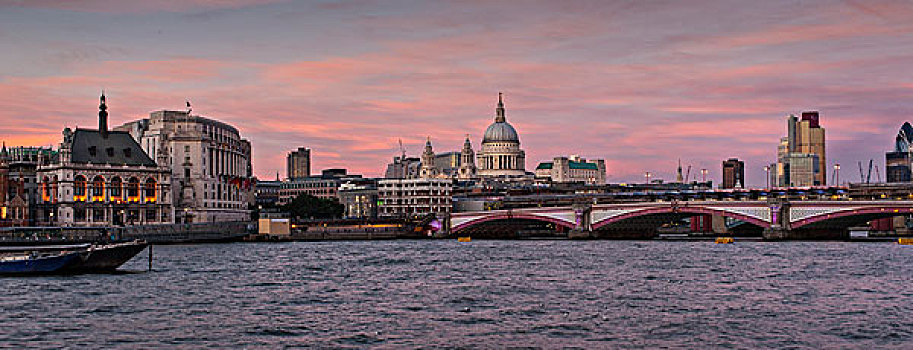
[640,84]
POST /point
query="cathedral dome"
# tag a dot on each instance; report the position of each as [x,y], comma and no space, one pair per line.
[500,132]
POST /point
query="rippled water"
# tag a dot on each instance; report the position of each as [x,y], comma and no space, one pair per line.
[484,294]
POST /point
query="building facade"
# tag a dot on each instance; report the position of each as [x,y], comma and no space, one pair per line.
[414,197]
[22,166]
[501,154]
[319,187]
[267,192]
[14,207]
[801,155]
[899,163]
[103,178]
[733,173]
[298,163]
[573,169]
[210,163]
[359,199]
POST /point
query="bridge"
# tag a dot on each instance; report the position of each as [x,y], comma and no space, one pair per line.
[774,218]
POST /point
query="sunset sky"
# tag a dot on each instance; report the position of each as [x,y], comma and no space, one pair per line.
[638,83]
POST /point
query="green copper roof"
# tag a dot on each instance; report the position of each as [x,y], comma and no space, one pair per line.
[572,165]
[582,165]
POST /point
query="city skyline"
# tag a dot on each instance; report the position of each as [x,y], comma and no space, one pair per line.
[639,85]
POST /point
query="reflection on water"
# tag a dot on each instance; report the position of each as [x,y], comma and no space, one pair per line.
[394,294]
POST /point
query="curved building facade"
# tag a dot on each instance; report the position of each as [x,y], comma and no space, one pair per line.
[501,154]
[210,163]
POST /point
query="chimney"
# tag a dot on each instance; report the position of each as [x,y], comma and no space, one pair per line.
[103,117]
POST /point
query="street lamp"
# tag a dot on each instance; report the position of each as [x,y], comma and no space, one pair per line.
[52,217]
[767,171]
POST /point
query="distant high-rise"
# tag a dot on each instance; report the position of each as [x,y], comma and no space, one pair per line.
[733,173]
[298,163]
[899,163]
[801,159]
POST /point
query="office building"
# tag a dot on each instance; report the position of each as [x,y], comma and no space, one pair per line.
[414,197]
[298,163]
[733,173]
[801,155]
[899,163]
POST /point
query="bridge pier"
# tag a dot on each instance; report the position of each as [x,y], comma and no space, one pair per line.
[579,234]
[718,224]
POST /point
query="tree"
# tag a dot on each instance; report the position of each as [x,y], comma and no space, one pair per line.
[306,206]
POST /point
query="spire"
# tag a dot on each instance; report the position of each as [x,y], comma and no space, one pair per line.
[103,116]
[428,149]
[499,117]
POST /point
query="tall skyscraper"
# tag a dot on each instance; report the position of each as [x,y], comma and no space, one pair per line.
[801,157]
[899,163]
[298,163]
[733,173]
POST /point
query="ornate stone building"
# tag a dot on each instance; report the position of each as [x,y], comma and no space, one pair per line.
[14,208]
[210,164]
[501,154]
[467,161]
[100,178]
[429,169]
[573,169]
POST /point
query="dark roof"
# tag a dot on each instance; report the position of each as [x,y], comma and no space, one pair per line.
[118,148]
[544,165]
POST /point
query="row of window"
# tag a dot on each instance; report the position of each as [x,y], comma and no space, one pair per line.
[82,189]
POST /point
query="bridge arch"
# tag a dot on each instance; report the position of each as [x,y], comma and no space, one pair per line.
[863,214]
[510,216]
[680,210]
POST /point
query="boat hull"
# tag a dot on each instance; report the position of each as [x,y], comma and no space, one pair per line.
[40,265]
[102,259]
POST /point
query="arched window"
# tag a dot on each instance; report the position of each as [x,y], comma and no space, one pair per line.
[150,190]
[98,188]
[46,189]
[133,189]
[79,188]
[117,189]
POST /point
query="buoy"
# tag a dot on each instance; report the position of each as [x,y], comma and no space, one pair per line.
[725,240]
[905,241]
[464,239]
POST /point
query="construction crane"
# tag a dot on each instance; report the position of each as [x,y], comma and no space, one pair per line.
[868,177]
[861,174]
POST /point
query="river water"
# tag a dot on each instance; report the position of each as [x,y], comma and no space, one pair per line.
[483,294]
